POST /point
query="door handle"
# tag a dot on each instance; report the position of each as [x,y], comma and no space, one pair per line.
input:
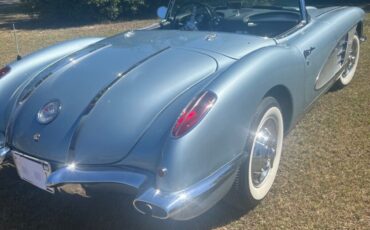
[308,52]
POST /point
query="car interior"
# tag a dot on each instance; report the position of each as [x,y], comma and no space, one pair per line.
[266,21]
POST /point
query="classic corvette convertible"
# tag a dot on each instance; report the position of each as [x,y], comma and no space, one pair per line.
[179,114]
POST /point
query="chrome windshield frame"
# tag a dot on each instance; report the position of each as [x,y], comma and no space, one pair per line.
[302,9]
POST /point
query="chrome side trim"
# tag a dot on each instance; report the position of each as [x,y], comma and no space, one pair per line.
[151,27]
[191,202]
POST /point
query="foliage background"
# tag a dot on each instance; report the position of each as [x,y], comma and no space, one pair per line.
[92,9]
[116,9]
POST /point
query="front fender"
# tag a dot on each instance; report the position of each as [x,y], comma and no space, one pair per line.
[221,136]
[26,68]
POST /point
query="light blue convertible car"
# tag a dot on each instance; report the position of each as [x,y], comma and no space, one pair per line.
[179,114]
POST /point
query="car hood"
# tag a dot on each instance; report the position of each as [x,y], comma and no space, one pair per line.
[111,92]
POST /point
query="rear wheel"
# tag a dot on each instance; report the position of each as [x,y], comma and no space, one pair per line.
[264,146]
[354,56]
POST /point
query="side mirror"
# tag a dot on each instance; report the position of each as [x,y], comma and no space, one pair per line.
[162,12]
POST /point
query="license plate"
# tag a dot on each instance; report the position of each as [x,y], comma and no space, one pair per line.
[33,170]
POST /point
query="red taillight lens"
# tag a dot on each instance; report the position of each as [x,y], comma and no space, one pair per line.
[4,71]
[193,113]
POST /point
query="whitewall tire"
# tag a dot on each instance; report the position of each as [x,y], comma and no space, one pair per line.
[354,56]
[261,182]
[258,171]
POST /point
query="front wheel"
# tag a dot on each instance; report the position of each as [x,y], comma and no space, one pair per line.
[264,146]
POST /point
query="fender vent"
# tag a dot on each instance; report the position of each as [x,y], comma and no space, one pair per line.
[342,50]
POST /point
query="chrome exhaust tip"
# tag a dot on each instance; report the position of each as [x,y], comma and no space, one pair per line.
[150,209]
[191,202]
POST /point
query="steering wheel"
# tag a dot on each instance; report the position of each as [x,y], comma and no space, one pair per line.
[194,16]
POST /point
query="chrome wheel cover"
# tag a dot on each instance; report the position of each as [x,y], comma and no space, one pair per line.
[265,153]
[352,62]
[352,58]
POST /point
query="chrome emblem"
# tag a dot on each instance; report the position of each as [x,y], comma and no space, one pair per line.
[49,112]
[211,37]
[36,137]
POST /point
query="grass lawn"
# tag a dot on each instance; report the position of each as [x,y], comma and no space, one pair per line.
[323,182]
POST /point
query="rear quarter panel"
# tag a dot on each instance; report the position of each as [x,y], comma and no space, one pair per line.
[222,135]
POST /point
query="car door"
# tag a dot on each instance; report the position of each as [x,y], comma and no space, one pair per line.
[323,47]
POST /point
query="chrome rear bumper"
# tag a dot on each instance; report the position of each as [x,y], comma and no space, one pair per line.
[179,205]
[190,202]
[130,181]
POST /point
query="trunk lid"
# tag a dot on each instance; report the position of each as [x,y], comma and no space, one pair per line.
[111,95]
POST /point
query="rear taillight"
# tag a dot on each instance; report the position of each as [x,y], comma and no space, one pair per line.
[4,71]
[193,113]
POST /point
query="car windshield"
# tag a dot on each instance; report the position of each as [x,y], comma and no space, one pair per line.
[268,18]
[219,4]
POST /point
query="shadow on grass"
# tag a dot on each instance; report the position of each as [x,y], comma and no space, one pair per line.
[26,206]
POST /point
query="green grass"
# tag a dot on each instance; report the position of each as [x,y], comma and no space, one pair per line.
[323,181]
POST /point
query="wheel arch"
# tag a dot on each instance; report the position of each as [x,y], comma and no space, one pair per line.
[360,29]
[282,94]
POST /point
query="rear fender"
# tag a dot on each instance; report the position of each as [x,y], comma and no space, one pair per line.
[222,134]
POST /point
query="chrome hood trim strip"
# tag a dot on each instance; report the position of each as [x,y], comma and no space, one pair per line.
[80,120]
